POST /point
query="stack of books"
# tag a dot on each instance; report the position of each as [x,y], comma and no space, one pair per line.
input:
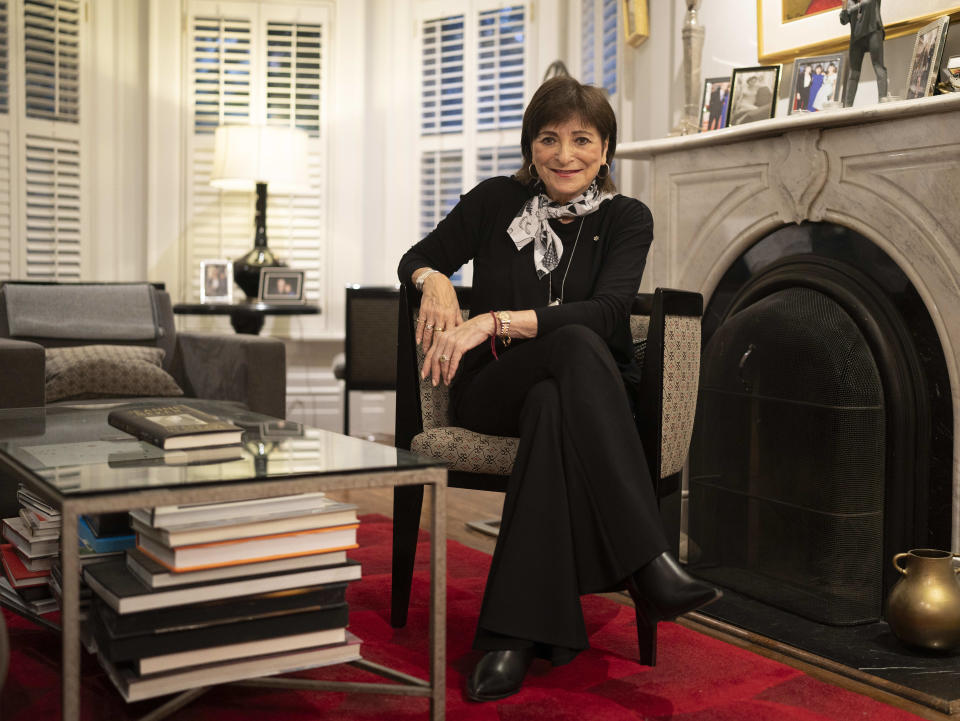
[220,592]
[32,548]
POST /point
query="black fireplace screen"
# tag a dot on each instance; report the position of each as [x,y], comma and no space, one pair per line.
[787,464]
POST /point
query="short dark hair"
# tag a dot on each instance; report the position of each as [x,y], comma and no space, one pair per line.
[556,101]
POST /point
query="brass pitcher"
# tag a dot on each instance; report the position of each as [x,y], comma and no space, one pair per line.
[923,609]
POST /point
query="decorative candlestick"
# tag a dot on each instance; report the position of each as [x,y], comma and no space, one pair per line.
[692,35]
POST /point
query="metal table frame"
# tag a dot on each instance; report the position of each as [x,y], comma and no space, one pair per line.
[72,506]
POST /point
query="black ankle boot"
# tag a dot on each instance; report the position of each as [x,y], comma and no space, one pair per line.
[665,590]
[499,674]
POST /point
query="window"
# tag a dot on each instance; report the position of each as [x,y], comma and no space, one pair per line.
[256,64]
[598,43]
[40,160]
[473,82]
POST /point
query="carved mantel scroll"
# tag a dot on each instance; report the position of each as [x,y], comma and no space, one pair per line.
[888,172]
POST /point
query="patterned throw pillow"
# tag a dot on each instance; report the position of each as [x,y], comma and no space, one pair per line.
[107,371]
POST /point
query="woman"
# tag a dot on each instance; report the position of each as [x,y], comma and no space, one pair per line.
[827,88]
[547,356]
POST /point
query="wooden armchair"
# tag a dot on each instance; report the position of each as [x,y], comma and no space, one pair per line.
[666,332]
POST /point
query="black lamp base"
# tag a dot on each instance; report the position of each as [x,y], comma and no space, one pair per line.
[246,269]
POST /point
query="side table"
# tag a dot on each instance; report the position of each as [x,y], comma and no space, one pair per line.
[248,316]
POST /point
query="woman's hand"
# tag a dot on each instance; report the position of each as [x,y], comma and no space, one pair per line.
[439,310]
[443,357]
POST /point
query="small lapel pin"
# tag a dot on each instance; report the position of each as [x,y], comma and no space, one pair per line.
[596,238]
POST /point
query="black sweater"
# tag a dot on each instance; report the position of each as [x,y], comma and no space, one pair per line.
[601,280]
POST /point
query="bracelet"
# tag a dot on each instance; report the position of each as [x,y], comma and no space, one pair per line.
[493,336]
[423,277]
[504,318]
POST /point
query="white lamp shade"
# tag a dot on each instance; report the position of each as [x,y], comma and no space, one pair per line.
[245,155]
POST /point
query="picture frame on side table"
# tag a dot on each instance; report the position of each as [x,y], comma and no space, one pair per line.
[281,285]
[753,94]
[714,104]
[216,281]
[925,60]
[816,83]
[791,29]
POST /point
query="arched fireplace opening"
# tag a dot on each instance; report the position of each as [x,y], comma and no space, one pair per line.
[824,433]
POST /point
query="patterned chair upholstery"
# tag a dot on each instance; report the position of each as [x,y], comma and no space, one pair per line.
[666,331]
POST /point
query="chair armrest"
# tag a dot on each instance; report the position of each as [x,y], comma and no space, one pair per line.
[23,377]
[246,368]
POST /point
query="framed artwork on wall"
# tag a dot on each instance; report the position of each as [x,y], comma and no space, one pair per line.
[216,281]
[714,103]
[281,285]
[791,29]
[816,82]
[925,61]
[753,94]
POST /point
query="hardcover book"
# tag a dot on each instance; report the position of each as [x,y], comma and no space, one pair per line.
[18,574]
[218,612]
[128,648]
[135,688]
[249,550]
[251,509]
[102,544]
[175,426]
[17,532]
[123,592]
[156,575]
[335,514]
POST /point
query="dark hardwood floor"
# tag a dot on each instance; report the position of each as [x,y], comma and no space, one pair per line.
[467,505]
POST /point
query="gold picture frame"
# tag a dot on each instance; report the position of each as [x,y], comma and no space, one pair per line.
[636,21]
[780,41]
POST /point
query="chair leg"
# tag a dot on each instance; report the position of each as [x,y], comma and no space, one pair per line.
[346,411]
[646,638]
[407,504]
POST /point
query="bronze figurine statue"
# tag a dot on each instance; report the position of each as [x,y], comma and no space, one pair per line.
[866,35]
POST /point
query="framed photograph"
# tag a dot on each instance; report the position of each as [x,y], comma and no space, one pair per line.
[791,29]
[714,103]
[281,285]
[636,21]
[753,94]
[816,82]
[216,281]
[925,61]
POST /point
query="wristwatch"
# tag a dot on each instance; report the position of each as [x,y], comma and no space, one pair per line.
[504,319]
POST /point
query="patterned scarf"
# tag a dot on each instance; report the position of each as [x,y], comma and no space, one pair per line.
[533,223]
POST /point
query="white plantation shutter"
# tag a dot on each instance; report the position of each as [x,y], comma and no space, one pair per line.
[599,27]
[588,45]
[52,59]
[6,205]
[500,71]
[611,13]
[52,208]
[220,67]
[504,160]
[442,75]
[441,180]
[473,89]
[4,58]
[257,65]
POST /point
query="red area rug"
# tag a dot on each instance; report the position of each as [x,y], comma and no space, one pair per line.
[697,678]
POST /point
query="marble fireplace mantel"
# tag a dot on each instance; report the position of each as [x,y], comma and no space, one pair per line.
[891,172]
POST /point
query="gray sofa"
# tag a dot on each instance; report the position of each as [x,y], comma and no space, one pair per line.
[35,317]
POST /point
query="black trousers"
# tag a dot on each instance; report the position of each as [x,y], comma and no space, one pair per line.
[872,44]
[580,514]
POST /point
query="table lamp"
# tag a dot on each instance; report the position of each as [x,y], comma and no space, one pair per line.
[251,157]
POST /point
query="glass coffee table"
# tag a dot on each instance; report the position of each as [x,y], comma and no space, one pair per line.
[71,456]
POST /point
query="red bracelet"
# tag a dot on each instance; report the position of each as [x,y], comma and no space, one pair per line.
[493,336]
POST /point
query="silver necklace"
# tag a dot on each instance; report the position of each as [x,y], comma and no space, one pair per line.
[563,282]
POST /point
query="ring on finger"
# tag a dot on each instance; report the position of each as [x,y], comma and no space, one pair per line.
[440,329]
[444,359]
[421,321]
[429,326]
